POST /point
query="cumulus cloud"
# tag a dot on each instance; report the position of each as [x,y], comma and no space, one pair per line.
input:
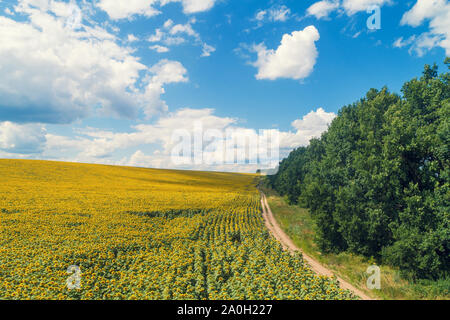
[293,59]
[167,71]
[100,146]
[152,145]
[72,73]
[323,9]
[22,139]
[94,145]
[310,126]
[437,12]
[164,72]
[121,9]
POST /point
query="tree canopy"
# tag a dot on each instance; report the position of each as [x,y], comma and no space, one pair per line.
[377,182]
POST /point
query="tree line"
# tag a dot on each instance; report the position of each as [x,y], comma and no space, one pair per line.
[377,181]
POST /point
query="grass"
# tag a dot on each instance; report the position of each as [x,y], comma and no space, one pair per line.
[299,225]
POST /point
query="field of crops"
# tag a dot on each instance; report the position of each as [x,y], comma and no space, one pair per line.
[141,234]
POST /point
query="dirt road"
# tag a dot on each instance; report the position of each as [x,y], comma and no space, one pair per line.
[287,244]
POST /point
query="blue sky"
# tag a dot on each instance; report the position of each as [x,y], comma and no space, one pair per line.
[109,81]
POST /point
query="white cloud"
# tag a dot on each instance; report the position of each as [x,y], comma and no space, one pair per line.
[422,10]
[164,72]
[122,9]
[310,126]
[159,49]
[93,145]
[323,9]
[273,14]
[157,36]
[425,42]
[139,159]
[168,24]
[22,139]
[72,73]
[357,34]
[279,13]
[354,6]
[167,71]
[171,34]
[8,11]
[174,41]
[294,58]
[207,50]
[438,14]
[183,29]
[132,38]
[400,42]
[126,9]
[101,143]
[260,15]
[97,144]
[193,6]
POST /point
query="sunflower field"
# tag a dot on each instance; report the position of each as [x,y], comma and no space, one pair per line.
[136,233]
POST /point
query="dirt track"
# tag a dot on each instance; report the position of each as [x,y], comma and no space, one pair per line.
[287,244]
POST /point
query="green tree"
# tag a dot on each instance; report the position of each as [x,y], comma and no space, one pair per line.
[377,182]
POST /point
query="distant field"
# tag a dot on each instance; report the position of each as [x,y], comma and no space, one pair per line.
[141,234]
